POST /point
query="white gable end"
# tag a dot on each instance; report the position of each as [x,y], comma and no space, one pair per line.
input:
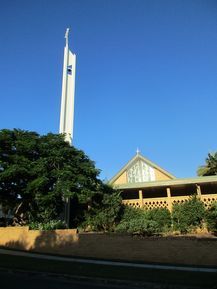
[140,172]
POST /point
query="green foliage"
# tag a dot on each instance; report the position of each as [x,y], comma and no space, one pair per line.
[38,172]
[162,217]
[51,225]
[140,226]
[210,168]
[144,222]
[211,217]
[189,215]
[130,213]
[104,212]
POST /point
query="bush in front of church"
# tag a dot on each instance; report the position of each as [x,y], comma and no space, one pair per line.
[105,211]
[144,222]
[211,218]
[189,215]
[163,218]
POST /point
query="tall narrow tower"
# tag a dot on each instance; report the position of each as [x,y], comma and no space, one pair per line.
[68,92]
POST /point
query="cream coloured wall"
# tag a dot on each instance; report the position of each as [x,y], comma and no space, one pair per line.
[122,179]
[23,238]
[161,176]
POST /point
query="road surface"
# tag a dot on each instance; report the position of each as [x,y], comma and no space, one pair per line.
[22,280]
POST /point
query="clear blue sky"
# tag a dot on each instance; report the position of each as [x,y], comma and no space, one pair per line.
[146,77]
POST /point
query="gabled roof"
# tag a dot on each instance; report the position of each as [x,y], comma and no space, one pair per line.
[137,157]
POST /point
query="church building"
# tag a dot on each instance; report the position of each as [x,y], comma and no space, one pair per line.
[142,182]
[145,184]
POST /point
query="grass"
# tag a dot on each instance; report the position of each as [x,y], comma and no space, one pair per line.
[198,279]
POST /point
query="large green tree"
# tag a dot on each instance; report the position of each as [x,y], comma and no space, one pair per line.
[37,173]
[210,167]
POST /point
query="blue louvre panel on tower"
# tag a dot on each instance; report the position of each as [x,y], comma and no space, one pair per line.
[69,69]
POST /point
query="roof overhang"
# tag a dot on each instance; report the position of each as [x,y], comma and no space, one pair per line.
[169,183]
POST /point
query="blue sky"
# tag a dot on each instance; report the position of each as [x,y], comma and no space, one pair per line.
[146,77]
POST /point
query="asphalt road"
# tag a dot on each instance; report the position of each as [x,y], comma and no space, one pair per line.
[19,270]
[17,280]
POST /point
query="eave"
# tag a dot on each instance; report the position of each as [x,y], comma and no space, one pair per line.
[169,183]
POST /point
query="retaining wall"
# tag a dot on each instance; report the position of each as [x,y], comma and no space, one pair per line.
[177,250]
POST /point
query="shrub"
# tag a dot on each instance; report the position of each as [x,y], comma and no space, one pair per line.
[211,218]
[139,226]
[162,217]
[104,212]
[51,225]
[144,222]
[4,222]
[189,215]
[130,213]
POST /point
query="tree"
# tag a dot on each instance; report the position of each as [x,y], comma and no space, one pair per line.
[38,172]
[210,168]
[105,211]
